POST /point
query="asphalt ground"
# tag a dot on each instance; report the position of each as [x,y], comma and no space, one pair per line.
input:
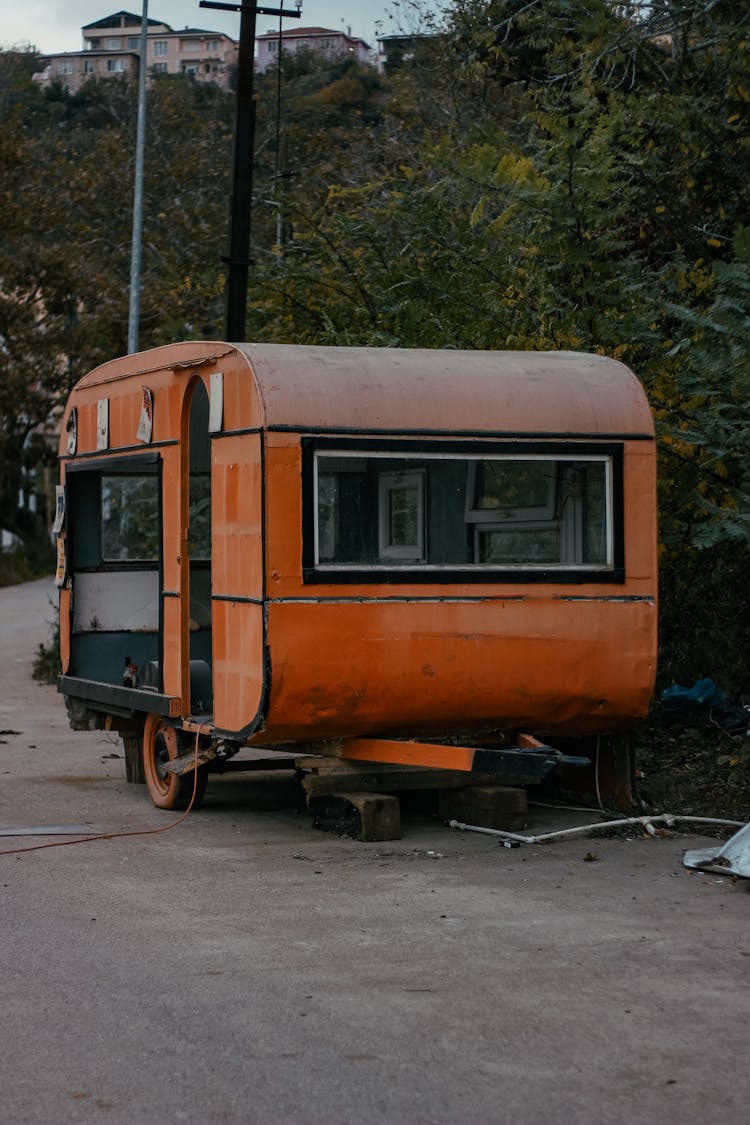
[245,967]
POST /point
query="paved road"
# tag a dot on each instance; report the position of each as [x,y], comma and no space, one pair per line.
[244,967]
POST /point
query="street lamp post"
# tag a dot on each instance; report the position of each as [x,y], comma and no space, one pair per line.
[238,255]
[137,236]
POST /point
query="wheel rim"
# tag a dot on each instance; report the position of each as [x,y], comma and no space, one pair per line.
[160,747]
[161,756]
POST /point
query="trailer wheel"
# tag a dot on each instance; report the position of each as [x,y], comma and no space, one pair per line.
[161,745]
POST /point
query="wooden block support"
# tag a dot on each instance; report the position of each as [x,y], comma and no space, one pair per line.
[133,746]
[364,816]
[488,806]
[321,776]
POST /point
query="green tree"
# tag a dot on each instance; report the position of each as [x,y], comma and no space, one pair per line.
[66,177]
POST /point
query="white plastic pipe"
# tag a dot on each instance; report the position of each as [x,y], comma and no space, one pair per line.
[645,821]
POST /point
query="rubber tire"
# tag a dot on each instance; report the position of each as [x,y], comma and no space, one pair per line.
[161,743]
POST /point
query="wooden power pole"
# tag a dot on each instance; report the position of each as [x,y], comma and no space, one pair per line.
[240,211]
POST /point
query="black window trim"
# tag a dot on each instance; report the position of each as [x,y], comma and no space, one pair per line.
[141,461]
[438,574]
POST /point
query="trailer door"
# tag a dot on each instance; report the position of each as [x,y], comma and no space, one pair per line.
[237,598]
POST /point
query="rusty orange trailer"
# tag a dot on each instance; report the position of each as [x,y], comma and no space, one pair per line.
[383,552]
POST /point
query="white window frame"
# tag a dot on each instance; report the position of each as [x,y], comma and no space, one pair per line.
[487,520]
[544,511]
[488,523]
[388,483]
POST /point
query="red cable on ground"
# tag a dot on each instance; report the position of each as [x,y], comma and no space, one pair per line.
[115,835]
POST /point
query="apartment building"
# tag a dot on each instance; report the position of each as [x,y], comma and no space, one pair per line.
[111,47]
[319,39]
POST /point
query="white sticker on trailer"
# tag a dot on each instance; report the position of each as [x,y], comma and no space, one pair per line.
[146,419]
[216,411]
[59,509]
[102,423]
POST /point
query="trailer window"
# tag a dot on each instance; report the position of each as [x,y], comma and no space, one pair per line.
[130,518]
[530,511]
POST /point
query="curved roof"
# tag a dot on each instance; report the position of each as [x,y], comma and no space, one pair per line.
[402,390]
[418,390]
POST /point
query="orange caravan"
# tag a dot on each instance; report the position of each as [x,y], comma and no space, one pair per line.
[434,558]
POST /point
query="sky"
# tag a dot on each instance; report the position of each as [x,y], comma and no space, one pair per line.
[55,25]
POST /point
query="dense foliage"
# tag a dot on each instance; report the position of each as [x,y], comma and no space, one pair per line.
[537,174]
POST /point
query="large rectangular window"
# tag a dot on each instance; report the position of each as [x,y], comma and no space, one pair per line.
[538,511]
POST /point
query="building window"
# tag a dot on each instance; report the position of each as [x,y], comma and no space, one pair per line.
[212,45]
[272,46]
[401,516]
[159,68]
[190,68]
[160,47]
[190,45]
[115,65]
[65,67]
[511,513]
[133,43]
[89,66]
[113,44]
[94,44]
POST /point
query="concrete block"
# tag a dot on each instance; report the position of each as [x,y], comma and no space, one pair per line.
[364,816]
[488,806]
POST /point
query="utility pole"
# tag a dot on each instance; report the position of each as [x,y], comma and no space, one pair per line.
[238,255]
[137,236]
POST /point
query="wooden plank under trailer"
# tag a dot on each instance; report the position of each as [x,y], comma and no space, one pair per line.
[526,763]
[364,800]
[350,784]
[346,794]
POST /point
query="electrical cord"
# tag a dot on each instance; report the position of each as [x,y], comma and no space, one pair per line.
[131,832]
